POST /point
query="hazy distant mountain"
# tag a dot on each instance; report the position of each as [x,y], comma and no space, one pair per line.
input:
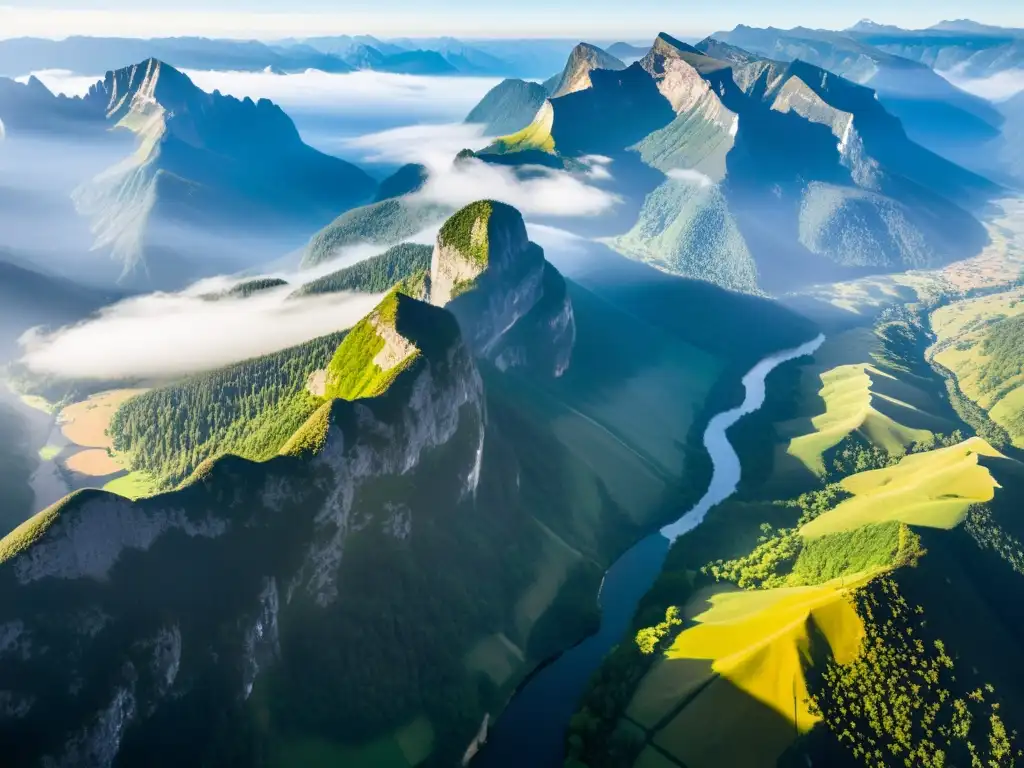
[626,52]
[364,57]
[212,183]
[465,57]
[934,112]
[722,51]
[342,45]
[30,107]
[964,48]
[872,27]
[527,58]
[417,63]
[778,173]
[974,27]
[93,55]
[29,298]
[90,55]
[508,107]
[406,180]
[1011,150]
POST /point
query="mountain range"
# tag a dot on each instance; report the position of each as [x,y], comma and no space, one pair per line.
[336,54]
[430,537]
[203,183]
[965,48]
[322,608]
[720,124]
[934,112]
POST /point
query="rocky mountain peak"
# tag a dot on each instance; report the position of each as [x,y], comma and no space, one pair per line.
[153,96]
[666,46]
[582,61]
[503,292]
[482,236]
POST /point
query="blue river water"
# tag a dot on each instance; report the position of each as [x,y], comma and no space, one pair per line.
[531,731]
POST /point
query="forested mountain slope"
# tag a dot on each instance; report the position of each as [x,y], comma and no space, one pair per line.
[523,451]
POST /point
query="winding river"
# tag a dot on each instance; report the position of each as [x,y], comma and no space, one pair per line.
[531,731]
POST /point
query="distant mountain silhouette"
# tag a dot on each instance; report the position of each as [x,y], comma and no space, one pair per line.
[212,182]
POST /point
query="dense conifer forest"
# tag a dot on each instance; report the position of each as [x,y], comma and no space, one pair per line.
[249,409]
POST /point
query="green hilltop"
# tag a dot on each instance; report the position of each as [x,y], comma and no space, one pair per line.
[373,353]
[467,231]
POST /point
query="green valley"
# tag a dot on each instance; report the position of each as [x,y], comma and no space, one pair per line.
[815,611]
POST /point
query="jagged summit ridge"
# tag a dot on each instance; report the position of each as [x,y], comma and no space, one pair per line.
[582,61]
[134,97]
[224,168]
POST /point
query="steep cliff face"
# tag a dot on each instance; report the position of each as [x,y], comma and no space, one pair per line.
[119,616]
[494,280]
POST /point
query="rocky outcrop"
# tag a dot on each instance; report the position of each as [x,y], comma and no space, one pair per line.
[511,304]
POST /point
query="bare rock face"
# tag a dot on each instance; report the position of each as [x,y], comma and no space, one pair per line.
[680,72]
[511,304]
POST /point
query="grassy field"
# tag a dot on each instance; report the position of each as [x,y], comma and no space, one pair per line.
[49,452]
[84,425]
[846,393]
[932,489]
[134,485]
[537,135]
[740,669]
[961,329]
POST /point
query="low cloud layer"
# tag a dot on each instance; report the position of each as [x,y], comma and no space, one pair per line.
[541,192]
[169,334]
[1000,86]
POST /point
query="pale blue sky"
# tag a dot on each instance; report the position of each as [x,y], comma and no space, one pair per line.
[480,18]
